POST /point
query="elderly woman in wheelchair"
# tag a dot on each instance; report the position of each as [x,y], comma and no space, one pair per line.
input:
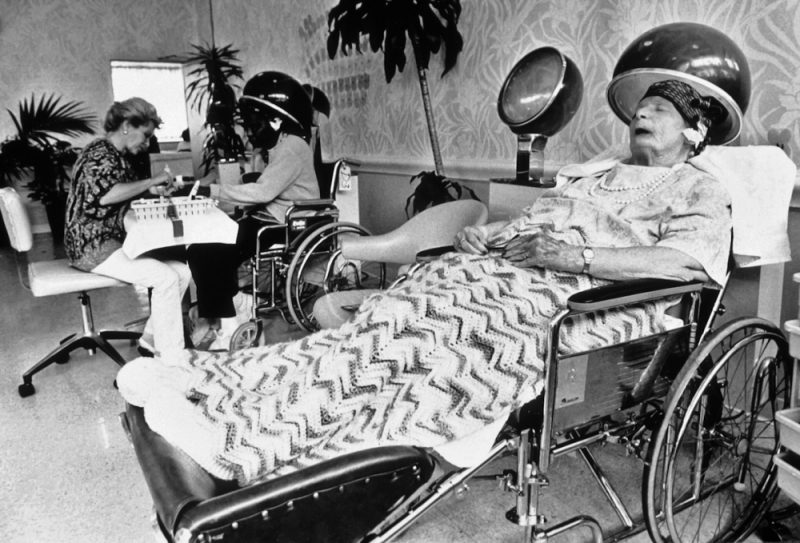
[277,115]
[492,339]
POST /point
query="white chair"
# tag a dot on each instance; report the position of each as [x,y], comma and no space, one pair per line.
[50,278]
[432,228]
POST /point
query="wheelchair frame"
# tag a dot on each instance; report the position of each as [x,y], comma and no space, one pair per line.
[220,511]
[536,449]
[304,245]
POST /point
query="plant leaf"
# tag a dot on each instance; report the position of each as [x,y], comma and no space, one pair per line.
[333,43]
[375,24]
[389,66]
[432,29]
[41,121]
[454,43]
[214,64]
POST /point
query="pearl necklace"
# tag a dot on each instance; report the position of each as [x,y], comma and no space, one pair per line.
[648,187]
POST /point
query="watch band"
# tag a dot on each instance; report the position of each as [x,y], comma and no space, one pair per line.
[588,256]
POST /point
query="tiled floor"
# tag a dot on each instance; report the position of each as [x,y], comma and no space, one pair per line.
[68,473]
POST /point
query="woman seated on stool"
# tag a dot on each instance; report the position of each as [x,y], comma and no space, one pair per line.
[454,349]
[103,184]
[277,118]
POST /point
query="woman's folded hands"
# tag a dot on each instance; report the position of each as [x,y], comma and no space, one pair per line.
[543,250]
[523,251]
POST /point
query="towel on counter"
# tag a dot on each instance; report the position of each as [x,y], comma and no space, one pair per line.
[760,180]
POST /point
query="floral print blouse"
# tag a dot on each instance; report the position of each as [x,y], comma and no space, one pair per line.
[94,231]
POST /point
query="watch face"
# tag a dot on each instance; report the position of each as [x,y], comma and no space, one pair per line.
[588,253]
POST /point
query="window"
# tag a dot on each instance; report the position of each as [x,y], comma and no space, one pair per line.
[161,84]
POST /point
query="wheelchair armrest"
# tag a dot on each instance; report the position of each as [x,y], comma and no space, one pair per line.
[322,203]
[433,253]
[265,217]
[629,292]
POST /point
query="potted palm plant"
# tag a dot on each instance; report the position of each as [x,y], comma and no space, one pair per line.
[212,89]
[430,26]
[36,151]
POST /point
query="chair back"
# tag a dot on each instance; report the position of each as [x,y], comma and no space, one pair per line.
[15,218]
[434,227]
[326,177]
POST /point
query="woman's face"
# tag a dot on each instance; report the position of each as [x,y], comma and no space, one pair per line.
[261,133]
[657,128]
[138,138]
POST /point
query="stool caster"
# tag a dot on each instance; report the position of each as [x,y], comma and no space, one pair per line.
[26,389]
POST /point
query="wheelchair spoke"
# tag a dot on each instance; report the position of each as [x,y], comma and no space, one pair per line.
[712,457]
[317,269]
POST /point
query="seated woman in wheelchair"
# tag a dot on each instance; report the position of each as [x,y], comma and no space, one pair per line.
[277,116]
[455,348]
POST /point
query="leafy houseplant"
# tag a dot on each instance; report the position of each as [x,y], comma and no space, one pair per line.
[434,189]
[36,150]
[430,25]
[212,89]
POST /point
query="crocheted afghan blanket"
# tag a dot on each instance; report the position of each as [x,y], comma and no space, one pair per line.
[457,346]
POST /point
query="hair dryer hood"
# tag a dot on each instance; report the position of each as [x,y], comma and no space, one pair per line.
[693,53]
[541,94]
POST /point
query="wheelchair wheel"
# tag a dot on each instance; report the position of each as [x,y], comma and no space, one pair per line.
[318,268]
[709,473]
[245,336]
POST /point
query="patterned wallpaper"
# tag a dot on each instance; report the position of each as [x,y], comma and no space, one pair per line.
[374,120]
[64,46]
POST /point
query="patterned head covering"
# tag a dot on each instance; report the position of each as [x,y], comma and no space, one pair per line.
[700,112]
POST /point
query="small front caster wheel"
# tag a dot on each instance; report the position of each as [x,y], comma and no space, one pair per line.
[61,359]
[245,336]
[26,389]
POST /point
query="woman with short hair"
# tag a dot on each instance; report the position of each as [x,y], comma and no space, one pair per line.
[103,185]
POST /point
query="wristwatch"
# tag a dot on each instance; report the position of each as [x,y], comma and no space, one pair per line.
[588,256]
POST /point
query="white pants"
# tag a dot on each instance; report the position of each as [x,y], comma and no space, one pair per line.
[169,280]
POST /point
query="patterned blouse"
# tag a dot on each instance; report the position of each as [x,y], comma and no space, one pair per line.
[94,231]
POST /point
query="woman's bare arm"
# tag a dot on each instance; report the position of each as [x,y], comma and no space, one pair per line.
[616,264]
[122,192]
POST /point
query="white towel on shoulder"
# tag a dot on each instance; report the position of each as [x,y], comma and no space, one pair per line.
[760,180]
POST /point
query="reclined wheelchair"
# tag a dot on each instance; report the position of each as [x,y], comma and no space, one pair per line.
[695,404]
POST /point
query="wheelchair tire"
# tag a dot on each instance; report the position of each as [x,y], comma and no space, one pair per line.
[246,336]
[318,251]
[713,450]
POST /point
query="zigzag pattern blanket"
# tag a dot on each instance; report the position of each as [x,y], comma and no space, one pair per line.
[457,346]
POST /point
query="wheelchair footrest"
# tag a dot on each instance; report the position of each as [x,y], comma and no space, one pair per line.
[346,497]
